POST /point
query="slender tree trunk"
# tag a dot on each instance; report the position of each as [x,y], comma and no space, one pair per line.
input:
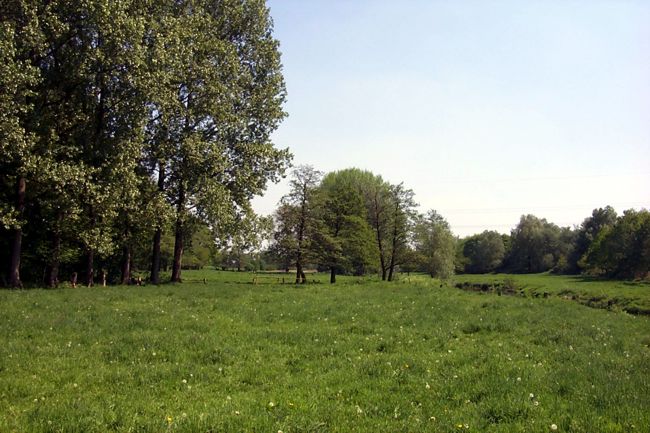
[53,265]
[126,265]
[332,275]
[90,252]
[90,268]
[393,253]
[16,246]
[382,260]
[299,272]
[178,240]
[178,252]
[155,256]
[391,267]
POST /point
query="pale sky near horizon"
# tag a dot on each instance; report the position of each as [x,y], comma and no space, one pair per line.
[487,110]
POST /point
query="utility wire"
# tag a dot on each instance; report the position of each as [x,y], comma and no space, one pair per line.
[529,209]
[533,178]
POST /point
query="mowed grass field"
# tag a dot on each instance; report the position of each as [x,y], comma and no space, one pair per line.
[359,356]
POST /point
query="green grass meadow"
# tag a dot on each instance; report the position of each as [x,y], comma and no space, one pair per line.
[228,355]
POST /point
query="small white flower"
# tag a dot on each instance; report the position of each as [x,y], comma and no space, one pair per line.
[531,395]
[553,427]
[519,379]
[427,386]
[184,381]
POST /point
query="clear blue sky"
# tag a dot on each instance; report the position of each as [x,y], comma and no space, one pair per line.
[487,110]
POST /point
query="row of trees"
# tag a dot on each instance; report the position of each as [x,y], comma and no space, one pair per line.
[120,121]
[605,244]
[352,221]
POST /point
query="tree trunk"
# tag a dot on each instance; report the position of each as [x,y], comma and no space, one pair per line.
[377,223]
[178,252]
[16,246]
[178,238]
[155,256]
[53,266]
[393,251]
[299,273]
[332,275]
[126,265]
[90,268]
[391,265]
[90,252]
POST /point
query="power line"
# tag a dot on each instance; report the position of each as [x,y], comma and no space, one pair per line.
[501,225]
[541,178]
[528,209]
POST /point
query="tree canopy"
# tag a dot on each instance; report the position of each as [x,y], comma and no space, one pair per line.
[118,119]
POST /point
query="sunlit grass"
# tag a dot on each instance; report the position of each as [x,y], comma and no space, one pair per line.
[631,296]
[233,356]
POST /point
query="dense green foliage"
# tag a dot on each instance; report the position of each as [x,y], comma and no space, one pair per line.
[484,252]
[353,222]
[349,222]
[604,245]
[623,248]
[363,356]
[121,119]
[435,245]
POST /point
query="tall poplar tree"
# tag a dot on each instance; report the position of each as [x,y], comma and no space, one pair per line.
[219,97]
[17,79]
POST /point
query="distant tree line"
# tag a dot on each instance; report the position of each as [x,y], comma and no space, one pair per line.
[354,222]
[127,126]
[605,244]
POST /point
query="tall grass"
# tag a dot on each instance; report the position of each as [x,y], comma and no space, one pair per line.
[361,356]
